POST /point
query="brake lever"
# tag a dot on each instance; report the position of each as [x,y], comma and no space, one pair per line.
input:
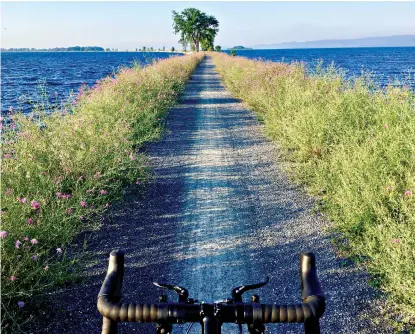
[240,290]
[183,293]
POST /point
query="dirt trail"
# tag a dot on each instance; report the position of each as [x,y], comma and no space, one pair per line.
[219,213]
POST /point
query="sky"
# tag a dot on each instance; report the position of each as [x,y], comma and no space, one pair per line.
[131,25]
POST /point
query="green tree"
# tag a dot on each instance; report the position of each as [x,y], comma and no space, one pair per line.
[218,48]
[233,52]
[196,27]
[144,49]
[164,48]
[172,49]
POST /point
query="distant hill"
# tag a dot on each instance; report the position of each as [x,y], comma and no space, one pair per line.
[384,41]
[240,47]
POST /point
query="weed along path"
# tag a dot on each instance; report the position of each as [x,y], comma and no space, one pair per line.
[218,213]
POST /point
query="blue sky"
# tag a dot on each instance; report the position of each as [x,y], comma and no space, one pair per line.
[130,25]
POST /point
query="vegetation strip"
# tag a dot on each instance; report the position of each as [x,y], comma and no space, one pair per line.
[59,177]
[353,145]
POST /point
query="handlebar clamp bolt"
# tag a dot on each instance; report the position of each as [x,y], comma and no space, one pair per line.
[255,298]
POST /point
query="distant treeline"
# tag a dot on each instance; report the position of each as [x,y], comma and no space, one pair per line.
[71,48]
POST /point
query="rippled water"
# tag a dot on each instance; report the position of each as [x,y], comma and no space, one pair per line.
[22,73]
[385,64]
[60,72]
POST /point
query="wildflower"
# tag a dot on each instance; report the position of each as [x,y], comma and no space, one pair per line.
[34,257]
[20,134]
[27,247]
[35,205]
[408,193]
[385,126]
[83,203]
[59,250]
[389,188]
[20,304]
[12,278]
[3,234]
[26,238]
[69,211]
[92,207]
[23,200]
[7,156]
[137,182]
[58,194]
[30,221]
[80,178]
[46,268]
[9,191]
[17,244]
[43,173]
[132,158]
[107,205]
[90,191]
[396,241]
[34,241]
[103,192]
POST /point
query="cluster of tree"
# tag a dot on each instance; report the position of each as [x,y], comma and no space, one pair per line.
[71,48]
[196,29]
[240,47]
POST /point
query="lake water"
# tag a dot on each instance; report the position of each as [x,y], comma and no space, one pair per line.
[386,65]
[22,73]
[62,72]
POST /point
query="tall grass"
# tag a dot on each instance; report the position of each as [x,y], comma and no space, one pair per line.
[63,171]
[353,145]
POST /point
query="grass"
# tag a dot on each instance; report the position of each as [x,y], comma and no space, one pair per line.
[352,144]
[61,172]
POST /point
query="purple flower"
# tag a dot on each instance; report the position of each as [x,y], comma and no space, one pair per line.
[83,203]
[395,241]
[23,200]
[103,192]
[3,234]
[17,244]
[34,257]
[34,241]
[59,250]
[26,238]
[20,304]
[30,221]
[12,278]
[35,205]
[69,211]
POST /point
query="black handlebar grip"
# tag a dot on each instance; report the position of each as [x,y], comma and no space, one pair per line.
[310,285]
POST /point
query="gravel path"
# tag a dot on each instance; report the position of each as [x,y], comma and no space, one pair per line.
[219,213]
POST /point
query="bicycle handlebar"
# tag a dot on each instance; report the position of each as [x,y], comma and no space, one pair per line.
[309,311]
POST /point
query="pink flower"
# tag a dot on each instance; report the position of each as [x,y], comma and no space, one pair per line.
[70,211]
[107,205]
[83,203]
[46,268]
[43,173]
[3,234]
[26,238]
[103,192]
[12,278]
[17,244]
[132,157]
[395,241]
[59,250]
[408,193]
[23,200]
[30,221]
[34,241]
[35,205]
[20,304]
[27,247]
[58,194]
[34,257]
[89,191]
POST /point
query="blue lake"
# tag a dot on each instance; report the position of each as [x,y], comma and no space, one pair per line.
[386,65]
[22,73]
